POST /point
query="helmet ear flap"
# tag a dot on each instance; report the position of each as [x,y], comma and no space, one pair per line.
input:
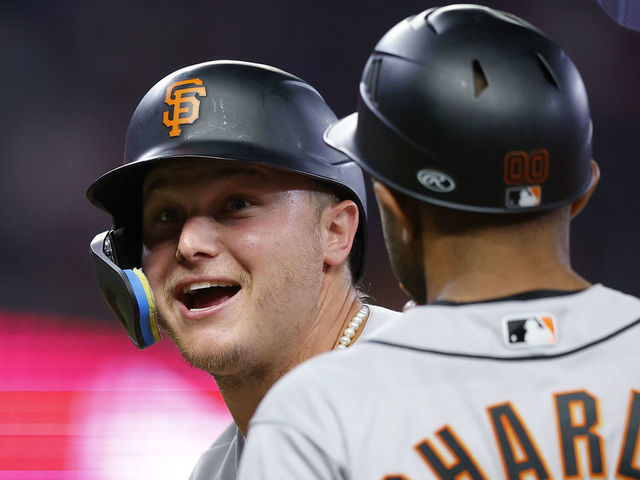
[126,291]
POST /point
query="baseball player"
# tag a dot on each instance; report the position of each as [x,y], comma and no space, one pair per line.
[477,129]
[237,231]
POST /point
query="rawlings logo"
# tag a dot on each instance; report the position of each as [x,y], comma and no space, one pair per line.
[436,181]
[182,96]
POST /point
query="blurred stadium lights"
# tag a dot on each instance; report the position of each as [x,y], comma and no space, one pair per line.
[78,401]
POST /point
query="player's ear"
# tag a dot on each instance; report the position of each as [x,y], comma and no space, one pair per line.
[400,209]
[580,203]
[340,223]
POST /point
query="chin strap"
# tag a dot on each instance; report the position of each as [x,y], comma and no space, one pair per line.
[126,291]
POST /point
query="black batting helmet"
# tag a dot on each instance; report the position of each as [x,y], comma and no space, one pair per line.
[221,110]
[473,109]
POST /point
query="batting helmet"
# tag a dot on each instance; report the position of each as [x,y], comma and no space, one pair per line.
[473,109]
[221,110]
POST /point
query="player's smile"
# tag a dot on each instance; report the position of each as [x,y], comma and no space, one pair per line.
[203,297]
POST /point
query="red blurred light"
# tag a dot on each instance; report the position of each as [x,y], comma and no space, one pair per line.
[78,400]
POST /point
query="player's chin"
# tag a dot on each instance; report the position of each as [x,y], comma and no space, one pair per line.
[208,349]
[216,360]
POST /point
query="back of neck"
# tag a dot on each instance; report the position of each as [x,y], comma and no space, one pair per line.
[479,268]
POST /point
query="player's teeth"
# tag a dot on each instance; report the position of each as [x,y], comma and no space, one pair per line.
[197,286]
[202,285]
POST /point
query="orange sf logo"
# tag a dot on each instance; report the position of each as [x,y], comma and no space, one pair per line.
[186,106]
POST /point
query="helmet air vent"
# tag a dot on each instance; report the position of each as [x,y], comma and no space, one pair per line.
[480,82]
[371,78]
[546,71]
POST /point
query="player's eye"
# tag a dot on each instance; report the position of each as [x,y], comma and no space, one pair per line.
[168,216]
[160,224]
[236,203]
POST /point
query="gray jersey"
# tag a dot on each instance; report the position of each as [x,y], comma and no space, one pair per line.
[220,461]
[534,386]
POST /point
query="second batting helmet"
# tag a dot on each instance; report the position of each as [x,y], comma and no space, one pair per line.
[473,109]
[221,110]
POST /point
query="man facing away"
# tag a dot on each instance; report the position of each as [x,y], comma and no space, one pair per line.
[237,231]
[477,129]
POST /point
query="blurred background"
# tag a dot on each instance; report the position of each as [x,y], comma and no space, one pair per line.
[77,400]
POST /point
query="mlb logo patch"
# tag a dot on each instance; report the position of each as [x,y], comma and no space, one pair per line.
[529,330]
[524,197]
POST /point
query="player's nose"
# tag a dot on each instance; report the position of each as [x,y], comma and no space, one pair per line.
[199,239]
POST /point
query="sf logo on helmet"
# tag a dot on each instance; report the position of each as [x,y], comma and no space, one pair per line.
[182,96]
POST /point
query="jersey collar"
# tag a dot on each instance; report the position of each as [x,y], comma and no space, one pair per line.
[529,295]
